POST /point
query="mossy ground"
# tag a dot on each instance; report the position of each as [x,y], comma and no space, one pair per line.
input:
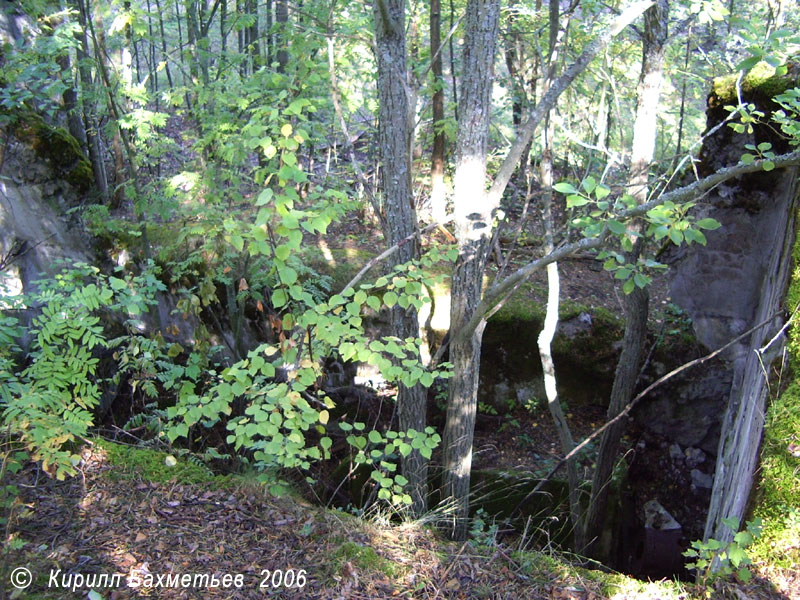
[363,558]
[153,465]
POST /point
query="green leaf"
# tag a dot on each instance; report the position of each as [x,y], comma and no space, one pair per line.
[282,252]
[708,224]
[768,165]
[748,63]
[265,196]
[616,227]
[743,538]
[623,273]
[117,284]
[676,236]
[628,286]
[589,184]
[374,437]
[390,299]
[575,200]
[737,555]
[279,298]
[565,188]
[693,235]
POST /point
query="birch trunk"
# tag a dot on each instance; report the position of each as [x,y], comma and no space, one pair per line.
[473,224]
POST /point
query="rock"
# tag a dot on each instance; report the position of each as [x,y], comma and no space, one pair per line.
[687,410]
[701,480]
[694,457]
[657,517]
[675,453]
[581,323]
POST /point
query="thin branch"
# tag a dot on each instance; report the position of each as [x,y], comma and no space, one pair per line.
[626,411]
[684,194]
[348,144]
[548,101]
[389,251]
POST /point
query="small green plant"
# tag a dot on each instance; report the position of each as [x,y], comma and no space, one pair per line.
[714,559]
[510,425]
[49,404]
[383,451]
[483,534]
[486,409]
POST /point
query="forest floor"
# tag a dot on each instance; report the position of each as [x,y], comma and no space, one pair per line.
[140,522]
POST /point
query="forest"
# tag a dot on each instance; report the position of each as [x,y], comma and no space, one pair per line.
[436,300]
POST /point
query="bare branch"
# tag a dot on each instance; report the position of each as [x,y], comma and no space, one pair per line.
[389,251]
[684,194]
[626,411]
[548,101]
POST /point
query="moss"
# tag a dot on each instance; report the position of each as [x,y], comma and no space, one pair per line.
[57,146]
[150,465]
[545,568]
[760,81]
[778,495]
[364,558]
[341,265]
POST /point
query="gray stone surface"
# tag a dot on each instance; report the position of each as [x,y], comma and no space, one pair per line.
[701,480]
[657,517]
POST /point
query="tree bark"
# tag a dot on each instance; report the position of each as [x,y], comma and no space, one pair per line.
[636,304]
[252,35]
[438,199]
[743,422]
[282,35]
[394,138]
[91,126]
[473,225]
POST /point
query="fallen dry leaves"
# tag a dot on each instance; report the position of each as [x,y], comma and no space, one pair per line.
[101,523]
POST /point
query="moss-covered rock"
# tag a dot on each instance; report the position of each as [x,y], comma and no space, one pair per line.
[760,82]
[725,146]
[56,146]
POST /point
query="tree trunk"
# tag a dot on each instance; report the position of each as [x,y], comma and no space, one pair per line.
[394,140]
[438,199]
[252,35]
[104,68]
[473,225]
[743,422]
[635,304]
[282,35]
[91,126]
[513,51]
[164,55]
